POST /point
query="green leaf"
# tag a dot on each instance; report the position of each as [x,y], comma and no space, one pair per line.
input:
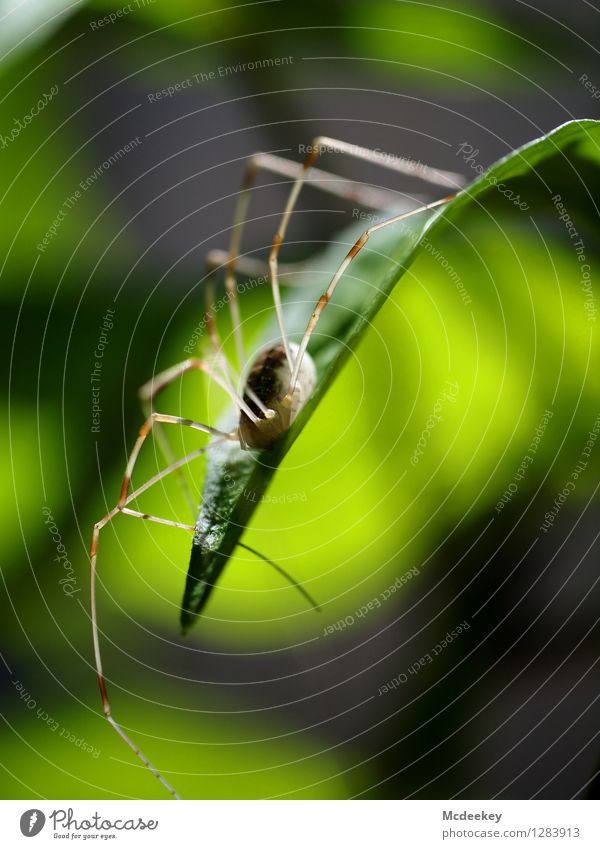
[522,183]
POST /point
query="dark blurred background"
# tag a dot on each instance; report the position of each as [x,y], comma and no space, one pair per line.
[257,700]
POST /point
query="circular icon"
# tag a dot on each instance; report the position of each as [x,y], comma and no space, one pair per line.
[32,822]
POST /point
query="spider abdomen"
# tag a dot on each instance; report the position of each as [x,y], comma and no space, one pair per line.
[268,380]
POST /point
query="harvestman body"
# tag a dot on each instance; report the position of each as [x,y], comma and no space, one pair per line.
[281,378]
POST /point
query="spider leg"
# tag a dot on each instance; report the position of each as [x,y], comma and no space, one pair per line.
[367,196]
[147,393]
[143,435]
[325,297]
[122,507]
[152,388]
[325,144]
[303,592]
[252,266]
[160,381]
[215,339]
[371,197]
[169,455]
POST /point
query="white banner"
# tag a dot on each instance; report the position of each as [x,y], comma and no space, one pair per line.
[302,824]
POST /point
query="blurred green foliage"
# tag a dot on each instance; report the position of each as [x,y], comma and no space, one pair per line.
[363,515]
[234,481]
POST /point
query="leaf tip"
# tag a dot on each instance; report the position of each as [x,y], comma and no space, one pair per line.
[186,620]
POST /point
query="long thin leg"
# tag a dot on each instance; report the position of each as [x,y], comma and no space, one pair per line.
[162,380]
[122,507]
[252,266]
[213,333]
[148,392]
[325,144]
[371,197]
[368,196]
[354,250]
[409,167]
[303,592]
[224,363]
[168,454]
[97,655]
[143,435]
[175,465]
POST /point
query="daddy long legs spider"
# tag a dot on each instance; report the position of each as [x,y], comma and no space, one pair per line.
[279,379]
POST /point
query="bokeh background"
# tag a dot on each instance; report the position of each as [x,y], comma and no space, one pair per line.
[259,700]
